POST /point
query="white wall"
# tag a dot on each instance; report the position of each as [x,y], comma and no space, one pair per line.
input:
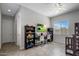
[17,28]
[7,29]
[0,28]
[27,16]
[72,17]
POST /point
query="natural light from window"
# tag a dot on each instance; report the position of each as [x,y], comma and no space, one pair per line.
[61,27]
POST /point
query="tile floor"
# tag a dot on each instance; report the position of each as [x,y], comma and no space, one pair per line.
[50,49]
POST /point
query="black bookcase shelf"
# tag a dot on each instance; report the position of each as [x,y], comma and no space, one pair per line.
[50,30]
[72,43]
[29,36]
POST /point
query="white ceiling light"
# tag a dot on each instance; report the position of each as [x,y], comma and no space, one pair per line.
[9,10]
[60,6]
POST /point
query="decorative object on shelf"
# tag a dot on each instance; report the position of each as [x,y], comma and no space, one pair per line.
[41,28]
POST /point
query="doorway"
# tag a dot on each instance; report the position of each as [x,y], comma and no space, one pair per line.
[7,27]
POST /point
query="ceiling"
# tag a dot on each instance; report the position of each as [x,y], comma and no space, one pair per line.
[51,9]
[47,9]
[9,9]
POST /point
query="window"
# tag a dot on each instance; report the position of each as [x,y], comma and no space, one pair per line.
[61,27]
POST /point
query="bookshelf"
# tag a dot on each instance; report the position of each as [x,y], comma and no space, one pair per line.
[29,36]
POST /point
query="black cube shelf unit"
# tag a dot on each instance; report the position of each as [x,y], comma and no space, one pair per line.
[72,43]
[50,30]
[29,36]
[76,28]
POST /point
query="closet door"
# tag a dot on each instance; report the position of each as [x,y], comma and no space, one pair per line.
[7,30]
